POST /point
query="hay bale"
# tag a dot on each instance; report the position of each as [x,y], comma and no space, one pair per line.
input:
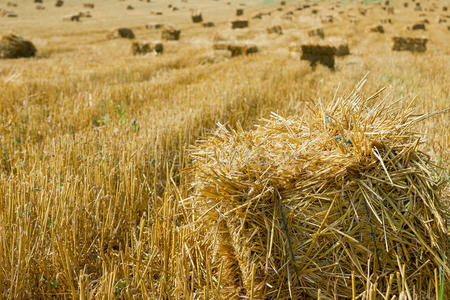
[142,48]
[342,50]
[123,32]
[282,2]
[275,29]
[310,205]
[11,4]
[390,10]
[130,7]
[13,46]
[154,26]
[72,18]
[316,32]
[59,3]
[322,54]
[197,17]
[419,26]
[236,49]
[169,33]
[326,19]
[378,29]
[237,24]
[40,7]
[239,12]
[37,1]
[89,5]
[208,24]
[410,44]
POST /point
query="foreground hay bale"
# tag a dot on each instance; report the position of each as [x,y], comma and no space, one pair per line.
[315,204]
[13,46]
[125,33]
[142,48]
[321,54]
[169,33]
[237,24]
[342,50]
[410,44]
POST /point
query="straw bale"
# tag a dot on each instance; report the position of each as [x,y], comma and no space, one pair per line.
[11,4]
[299,206]
[378,29]
[418,26]
[59,3]
[322,54]
[89,5]
[130,7]
[142,48]
[239,12]
[275,29]
[37,1]
[40,7]
[316,32]
[342,50]
[154,26]
[208,24]
[169,33]
[410,44]
[123,32]
[239,24]
[236,49]
[13,46]
[197,17]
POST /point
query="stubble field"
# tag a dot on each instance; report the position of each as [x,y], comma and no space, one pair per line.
[94,170]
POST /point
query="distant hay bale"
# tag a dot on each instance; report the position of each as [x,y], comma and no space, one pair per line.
[442,20]
[275,29]
[169,33]
[326,19]
[257,16]
[59,3]
[197,17]
[85,14]
[390,10]
[321,54]
[237,24]
[282,2]
[174,8]
[123,32]
[236,49]
[142,48]
[335,203]
[363,11]
[89,5]
[378,29]
[13,46]
[405,4]
[72,18]
[11,4]
[154,26]
[158,13]
[37,1]
[208,24]
[410,44]
[130,7]
[316,32]
[444,8]
[419,26]
[7,13]
[314,11]
[40,7]
[386,21]
[239,12]
[342,50]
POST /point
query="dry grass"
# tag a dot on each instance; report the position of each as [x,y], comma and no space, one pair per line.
[92,200]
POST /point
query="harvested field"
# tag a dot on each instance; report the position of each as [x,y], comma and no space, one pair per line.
[205,162]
